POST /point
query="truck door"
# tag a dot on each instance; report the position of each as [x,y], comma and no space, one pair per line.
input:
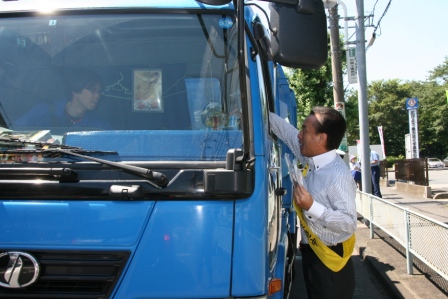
[272,153]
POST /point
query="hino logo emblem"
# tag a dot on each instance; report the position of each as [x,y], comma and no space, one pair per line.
[18,269]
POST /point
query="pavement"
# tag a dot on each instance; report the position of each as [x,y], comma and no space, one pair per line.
[387,259]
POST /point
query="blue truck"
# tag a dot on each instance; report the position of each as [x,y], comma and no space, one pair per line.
[136,159]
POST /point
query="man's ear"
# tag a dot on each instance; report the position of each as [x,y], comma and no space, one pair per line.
[323,139]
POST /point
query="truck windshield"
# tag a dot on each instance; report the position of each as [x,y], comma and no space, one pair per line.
[148,86]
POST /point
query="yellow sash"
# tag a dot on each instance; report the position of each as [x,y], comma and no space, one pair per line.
[330,258]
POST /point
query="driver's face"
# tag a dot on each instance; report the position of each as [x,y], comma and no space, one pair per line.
[89,97]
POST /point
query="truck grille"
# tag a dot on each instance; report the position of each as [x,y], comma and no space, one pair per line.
[73,274]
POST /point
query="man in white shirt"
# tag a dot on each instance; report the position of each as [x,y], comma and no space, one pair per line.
[375,168]
[327,199]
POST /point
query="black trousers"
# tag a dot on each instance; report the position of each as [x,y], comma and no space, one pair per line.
[323,283]
[376,181]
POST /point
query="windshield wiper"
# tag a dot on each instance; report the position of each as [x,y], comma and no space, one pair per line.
[157,179]
[41,144]
[63,174]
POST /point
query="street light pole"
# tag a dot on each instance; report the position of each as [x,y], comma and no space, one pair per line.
[362,97]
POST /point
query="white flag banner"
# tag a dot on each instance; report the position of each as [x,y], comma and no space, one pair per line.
[380,131]
[358,149]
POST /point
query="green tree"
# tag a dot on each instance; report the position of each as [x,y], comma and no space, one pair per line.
[433,113]
[352,116]
[312,87]
[315,88]
[440,73]
[386,101]
[386,107]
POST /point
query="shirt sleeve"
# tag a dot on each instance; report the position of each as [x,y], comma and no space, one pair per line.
[286,133]
[315,212]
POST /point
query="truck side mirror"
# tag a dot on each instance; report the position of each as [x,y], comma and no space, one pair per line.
[300,37]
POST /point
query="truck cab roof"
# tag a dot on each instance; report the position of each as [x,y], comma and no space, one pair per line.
[52,5]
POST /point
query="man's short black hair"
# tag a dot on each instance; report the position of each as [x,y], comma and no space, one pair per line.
[78,79]
[330,122]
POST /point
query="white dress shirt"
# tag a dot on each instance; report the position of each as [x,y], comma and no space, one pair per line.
[332,216]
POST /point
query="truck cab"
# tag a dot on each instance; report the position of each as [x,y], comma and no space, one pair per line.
[136,156]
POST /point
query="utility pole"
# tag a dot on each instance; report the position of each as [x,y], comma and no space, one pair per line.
[336,67]
[362,97]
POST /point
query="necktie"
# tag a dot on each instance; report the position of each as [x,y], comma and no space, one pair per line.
[305,170]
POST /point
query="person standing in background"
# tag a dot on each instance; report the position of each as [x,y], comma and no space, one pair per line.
[355,168]
[375,168]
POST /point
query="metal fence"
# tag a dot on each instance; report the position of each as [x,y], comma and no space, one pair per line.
[421,236]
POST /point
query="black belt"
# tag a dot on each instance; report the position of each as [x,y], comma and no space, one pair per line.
[338,248]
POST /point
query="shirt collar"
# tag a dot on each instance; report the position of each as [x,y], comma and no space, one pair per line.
[321,160]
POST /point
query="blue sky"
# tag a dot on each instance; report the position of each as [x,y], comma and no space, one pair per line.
[412,38]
